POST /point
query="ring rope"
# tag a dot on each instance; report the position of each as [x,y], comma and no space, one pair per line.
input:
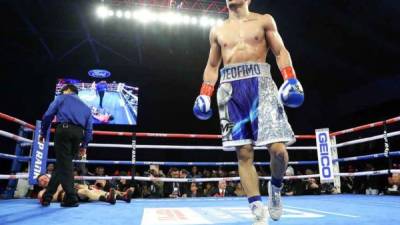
[367,157]
[208,136]
[177,147]
[139,134]
[14,137]
[164,179]
[368,139]
[366,126]
[129,146]
[145,163]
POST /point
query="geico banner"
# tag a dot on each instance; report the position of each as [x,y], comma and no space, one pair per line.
[324,155]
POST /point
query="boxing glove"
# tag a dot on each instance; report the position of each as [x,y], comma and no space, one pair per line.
[202,106]
[291,92]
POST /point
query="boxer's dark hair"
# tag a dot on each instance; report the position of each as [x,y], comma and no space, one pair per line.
[70,87]
[40,175]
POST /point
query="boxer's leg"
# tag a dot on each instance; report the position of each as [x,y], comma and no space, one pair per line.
[273,130]
[247,171]
[249,180]
[92,195]
[125,196]
[279,161]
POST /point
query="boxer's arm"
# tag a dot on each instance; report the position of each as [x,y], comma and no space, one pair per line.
[291,92]
[214,60]
[41,193]
[275,42]
[201,108]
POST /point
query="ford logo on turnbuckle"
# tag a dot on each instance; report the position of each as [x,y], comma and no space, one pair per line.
[98,73]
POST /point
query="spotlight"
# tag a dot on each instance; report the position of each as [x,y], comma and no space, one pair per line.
[127,15]
[160,17]
[171,18]
[204,21]
[102,12]
[178,18]
[211,22]
[185,19]
[119,14]
[193,21]
[144,16]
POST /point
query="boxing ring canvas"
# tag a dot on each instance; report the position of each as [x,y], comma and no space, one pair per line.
[298,210]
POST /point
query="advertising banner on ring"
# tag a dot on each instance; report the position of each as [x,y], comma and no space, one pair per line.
[324,155]
[38,162]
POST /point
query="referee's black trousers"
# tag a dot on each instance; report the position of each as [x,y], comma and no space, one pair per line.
[66,145]
[101,96]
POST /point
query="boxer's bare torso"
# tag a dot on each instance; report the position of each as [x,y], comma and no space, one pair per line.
[242,40]
[244,37]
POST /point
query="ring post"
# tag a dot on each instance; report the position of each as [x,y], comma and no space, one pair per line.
[387,148]
[336,167]
[38,161]
[133,159]
[15,166]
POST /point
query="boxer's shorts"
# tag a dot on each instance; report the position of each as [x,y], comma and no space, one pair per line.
[249,107]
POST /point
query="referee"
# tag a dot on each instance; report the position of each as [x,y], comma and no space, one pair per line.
[101,89]
[73,133]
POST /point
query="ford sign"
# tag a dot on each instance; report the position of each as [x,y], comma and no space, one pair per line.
[99,73]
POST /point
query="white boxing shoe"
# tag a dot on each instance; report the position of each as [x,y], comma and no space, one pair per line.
[274,201]
[259,212]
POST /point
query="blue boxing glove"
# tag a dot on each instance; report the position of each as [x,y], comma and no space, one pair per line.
[202,105]
[201,108]
[291,92]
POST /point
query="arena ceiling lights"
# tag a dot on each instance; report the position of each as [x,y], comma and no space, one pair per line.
[145,16]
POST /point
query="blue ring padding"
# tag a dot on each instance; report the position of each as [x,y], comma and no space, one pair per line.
[146,163]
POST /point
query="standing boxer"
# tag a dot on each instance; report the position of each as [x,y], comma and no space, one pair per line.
[250,106]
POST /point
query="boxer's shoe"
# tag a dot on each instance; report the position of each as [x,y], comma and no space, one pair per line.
[111,197]
[259,212]
[274,201]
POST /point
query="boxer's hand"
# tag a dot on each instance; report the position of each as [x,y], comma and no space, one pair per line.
[291,92]
[202,105]
[41,139]
[82,153]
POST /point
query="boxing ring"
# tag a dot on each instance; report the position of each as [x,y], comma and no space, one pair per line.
[310,209]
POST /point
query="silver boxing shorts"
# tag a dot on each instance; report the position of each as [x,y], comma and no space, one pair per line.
[249,107]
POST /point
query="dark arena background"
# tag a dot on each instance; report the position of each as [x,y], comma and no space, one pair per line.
[346,55]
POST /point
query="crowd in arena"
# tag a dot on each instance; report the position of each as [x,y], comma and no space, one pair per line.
[370,185]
